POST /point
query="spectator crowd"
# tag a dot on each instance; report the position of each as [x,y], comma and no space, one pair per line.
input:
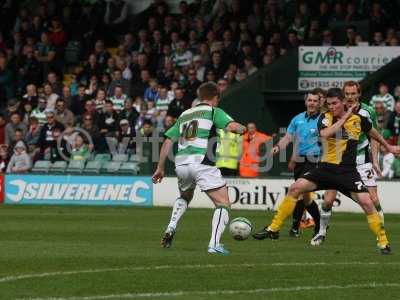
[90,64]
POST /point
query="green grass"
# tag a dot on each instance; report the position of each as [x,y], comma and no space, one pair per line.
[119,247]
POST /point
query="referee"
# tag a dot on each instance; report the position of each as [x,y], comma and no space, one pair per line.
[303,133]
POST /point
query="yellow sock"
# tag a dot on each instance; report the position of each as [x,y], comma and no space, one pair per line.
[285,209]
[376,226]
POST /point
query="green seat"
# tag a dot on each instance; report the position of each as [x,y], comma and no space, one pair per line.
[58,167]
[103,157]
[135,158]
[76,166]
[111,166]
[41,166]
[129,168]
[93,166]
[120,157]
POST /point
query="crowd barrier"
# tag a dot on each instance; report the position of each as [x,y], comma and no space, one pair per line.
[252,194]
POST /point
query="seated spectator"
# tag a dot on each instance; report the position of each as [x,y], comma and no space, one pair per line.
[57,149]
[20,161]
[382,115]
[182,57]
[118,98]
[46,137]
[19,137]
[67,96]
[129,113]
[163,100]
[109,124]
[151,93]
[40,111]
[29,68]
[31,95]
[91,68]
[119,81]
[192,84]
[249,66]
[147,129]
[63,114]
[125,136]
[45,53]
[14,124]
[93,87]
[78,101]
[383,96]
[151,112]
[179,104]
[3,124]
[80,150]
[26,112]
[56,85]
[32,136]
[140,86]
[4,158]
[100,100]
[99,143]
[50,96]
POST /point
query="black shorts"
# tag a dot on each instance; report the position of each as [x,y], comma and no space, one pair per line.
[331,177]
[302,168]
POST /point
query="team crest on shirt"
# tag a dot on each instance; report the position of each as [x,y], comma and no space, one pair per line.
[325,122]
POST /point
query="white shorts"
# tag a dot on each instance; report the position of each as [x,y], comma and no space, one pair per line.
[206,177]
[367,174]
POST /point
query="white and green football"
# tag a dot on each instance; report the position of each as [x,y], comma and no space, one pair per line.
[240,228]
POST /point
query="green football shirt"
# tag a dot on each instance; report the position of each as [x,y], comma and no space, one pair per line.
[195,130]
[363,148]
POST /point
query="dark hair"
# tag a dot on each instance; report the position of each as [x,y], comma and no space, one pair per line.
[147,122]
[207,91]
[335,93]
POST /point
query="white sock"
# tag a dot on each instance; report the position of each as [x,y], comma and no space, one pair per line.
[219,221]
[178,210]
[324,221]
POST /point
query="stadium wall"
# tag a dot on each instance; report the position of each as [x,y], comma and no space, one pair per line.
[251,194]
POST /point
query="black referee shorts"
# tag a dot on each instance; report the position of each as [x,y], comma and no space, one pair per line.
[345,179]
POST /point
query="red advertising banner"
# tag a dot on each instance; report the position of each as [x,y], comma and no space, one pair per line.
[1,188]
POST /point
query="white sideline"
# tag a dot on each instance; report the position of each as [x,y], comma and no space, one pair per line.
[12,278]
[225,292]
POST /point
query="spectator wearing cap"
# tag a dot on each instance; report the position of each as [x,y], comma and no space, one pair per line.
[46,137]
[14,124]
[50,96]
[20,161]
[40,111]
[118,98]
[63,114]
[125,136]
[383,96]
[129,112]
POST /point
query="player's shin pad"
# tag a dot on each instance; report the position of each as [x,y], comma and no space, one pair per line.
[376,226]
[285,210]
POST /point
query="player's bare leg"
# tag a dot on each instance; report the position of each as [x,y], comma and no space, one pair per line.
[220,219]
[286,208]
[374,221]
[178,211]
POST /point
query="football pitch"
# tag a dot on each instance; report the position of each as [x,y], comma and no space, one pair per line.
[88,253]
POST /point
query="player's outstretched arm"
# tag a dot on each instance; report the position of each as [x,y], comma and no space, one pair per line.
[165,149]
[282,144]
[236,127]
[374,134]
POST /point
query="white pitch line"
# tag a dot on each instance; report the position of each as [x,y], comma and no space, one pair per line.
[12,278]
[224,292]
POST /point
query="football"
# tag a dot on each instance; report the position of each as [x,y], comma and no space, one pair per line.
[240,228]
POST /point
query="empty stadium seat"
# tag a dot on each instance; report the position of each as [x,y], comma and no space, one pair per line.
[103,157]
[134,158]
[93,167]
[129,168]
[111,166]
[120,157]
[76,166]
[58,167]
[41,166]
